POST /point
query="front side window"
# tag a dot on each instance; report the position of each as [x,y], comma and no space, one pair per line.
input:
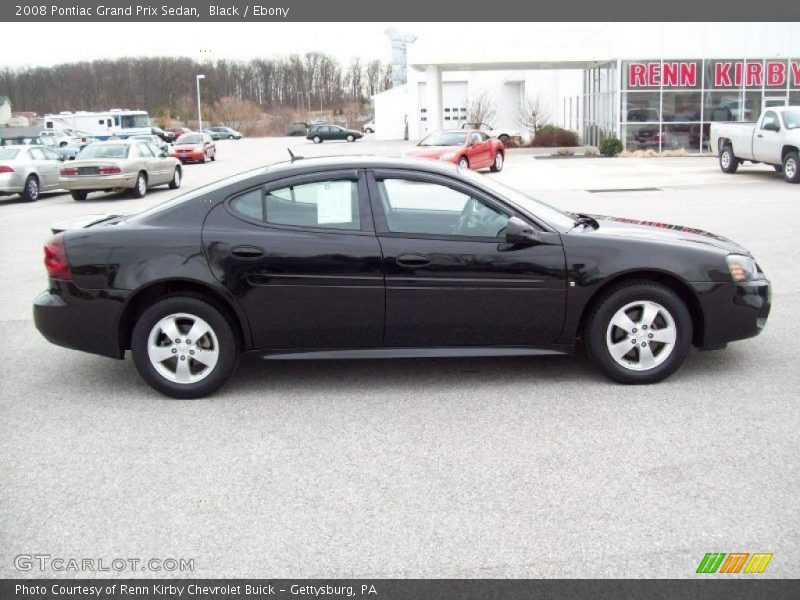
[770,119]
[425,208]
[321,204]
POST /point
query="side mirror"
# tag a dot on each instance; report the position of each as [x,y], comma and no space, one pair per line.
[164,153]
[519,232]
[771,126]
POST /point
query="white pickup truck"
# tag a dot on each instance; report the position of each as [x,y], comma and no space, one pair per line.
[774,139]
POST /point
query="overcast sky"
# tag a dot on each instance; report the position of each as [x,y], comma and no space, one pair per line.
[69,42]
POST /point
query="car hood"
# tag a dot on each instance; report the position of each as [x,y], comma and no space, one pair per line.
[666,232]
[190,147]
[431,151]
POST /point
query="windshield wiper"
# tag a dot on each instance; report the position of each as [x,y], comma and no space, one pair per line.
[584,219]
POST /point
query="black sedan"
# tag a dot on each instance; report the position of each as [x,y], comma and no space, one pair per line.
[322,133]
[368,257]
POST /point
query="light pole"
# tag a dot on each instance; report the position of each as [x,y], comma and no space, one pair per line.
[199,113]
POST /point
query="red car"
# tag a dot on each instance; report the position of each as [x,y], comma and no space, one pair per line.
[178,131]
[468,148]
[194,147]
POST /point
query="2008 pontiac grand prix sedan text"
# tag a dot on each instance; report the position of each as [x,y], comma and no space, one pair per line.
[368,257]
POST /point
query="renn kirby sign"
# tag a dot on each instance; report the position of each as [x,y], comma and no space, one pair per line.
[724,73]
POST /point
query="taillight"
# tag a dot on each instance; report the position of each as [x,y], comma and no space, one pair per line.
[110,170]
[5,169]
[55,258]
[69,171]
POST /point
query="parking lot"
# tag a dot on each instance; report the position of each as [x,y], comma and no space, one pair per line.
[501,467]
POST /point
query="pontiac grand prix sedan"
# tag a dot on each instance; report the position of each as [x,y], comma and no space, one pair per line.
[374,257]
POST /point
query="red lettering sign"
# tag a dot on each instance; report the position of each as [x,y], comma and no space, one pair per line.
[754,74]
[636,73]
[795,72]
[776,74]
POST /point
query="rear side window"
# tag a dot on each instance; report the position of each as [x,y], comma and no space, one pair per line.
[321,204]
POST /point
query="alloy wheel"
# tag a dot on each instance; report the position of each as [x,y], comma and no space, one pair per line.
[498,161]
[183,348]
[641,335]
[790,168]
[33,188]
[725,159]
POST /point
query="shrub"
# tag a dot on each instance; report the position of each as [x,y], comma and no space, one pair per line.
[610,145]
[552,136]
[564,152]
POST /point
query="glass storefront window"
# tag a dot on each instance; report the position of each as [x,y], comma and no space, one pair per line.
[752,106]
[685,136]
[641,107]
[642,137]
[722,106]
[680,106]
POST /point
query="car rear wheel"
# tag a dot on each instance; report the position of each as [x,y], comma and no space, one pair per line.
[639,333]
[184,347]
[79,195]
[463,162]
[317,139]
[727,160]
[175,183]
[30,193]
[497,165]
[791,167]
[140,189]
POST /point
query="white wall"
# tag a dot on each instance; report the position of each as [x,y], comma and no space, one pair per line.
[5,113]
[391,108]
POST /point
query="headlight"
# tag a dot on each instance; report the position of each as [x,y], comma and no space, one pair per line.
[447,156]
[743,268]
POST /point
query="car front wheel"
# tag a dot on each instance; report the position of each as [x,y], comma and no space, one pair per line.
[463,162]
[317,139]
[639,333]
[791,167]
[184,347]
[175,182]
[350,138]
[497,165]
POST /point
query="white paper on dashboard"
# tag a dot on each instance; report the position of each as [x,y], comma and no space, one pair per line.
[334,204]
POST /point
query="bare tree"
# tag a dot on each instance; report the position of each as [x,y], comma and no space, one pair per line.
[481,109]
[532,114]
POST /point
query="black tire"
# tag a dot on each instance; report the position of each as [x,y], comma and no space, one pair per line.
[599,329]
[79,195]
[498,163]
[778,168]
[504,138]
[226,345]
[791,167]
[214,156]
[351,138]
[463,162]
[203,160]
[317,139]
[31,191]
[140,190]
[175,183]
[230,137]
[727,160]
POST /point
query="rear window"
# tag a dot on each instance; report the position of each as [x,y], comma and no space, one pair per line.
[8,153]
[105,151]
[190,139]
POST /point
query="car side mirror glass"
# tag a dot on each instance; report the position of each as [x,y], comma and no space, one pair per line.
[771,126]
[520,232]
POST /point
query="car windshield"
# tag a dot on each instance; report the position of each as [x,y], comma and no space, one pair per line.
[8,153]
[557,219]
[189,196]
[791,118]
[190,139]
[104,151]
[444,138]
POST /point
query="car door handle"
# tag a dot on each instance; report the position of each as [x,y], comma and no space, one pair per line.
[759,135]
[413,260]
[247,251]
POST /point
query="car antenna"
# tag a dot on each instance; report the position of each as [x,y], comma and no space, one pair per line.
[291,154]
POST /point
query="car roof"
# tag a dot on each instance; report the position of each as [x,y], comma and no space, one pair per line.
[305,165]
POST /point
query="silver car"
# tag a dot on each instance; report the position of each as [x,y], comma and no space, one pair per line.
[29,170]
[117,165]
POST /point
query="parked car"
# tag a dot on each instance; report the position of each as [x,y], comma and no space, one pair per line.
[224,133]
[166,136]
[296,129]
[117,165]
[28,170]
[502,134]
[322,133]
[469,149]
[73,147]
[359,257]
[61,136]
[194,147]
[369,126]
[774,139]
[177,131]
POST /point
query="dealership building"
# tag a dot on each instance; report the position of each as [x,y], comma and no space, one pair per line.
[654,85]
